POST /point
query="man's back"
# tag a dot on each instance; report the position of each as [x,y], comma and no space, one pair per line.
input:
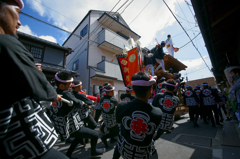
[23,120]
[139,121]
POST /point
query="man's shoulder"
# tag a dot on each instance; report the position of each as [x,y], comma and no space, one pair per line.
[157,111]
[9,41]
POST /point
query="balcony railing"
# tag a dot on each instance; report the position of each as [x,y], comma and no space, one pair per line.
[111,41]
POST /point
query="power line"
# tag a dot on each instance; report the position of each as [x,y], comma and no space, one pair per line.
[186,34]
[140,12]
[63,29]
[184,15]
[56,11]
[189,41]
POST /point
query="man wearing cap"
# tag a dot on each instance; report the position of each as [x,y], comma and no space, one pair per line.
[25,129]
[158,55]
[128,95]
[108,104]
[209,98]
[138,120]
[192,101]
[168,103]
[67,119]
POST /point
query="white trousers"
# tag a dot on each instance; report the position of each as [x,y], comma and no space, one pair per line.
[161,64]
[151,67]
[170,51]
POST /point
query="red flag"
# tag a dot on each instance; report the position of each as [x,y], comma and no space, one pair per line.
[123,64]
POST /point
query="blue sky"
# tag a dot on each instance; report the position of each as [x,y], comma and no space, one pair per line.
[155,21]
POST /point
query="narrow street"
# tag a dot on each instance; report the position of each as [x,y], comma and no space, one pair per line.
[184,142]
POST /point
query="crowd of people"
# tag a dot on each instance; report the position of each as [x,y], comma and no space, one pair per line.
[36,113]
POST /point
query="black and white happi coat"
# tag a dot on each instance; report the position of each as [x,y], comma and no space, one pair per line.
[198,92]
[209,97]
[25,129]
[190,98]
[126,97]
[108,104]
[168,103]
[102,94]
[223,98]
[139,121]
[66,118]
[84,110]
[161,87]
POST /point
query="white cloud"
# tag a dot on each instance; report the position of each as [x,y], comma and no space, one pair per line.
[49,38]
[195,63]
[155,17]
[26,29]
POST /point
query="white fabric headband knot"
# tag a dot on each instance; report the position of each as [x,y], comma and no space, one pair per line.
[145,83]
[63,81]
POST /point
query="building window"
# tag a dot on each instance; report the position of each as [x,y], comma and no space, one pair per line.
[75,65]
[84,31]
[103,58]
[35,51]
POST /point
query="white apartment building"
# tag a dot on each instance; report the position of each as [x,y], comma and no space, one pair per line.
[107,33]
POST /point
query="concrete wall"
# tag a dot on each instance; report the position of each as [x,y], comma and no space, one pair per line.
[95,53]
[80,47]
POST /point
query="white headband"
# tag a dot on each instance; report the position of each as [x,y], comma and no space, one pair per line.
[128,89]
[171,84]
[20,3]
[38,64]
[64,81]
[109,89]
[73,85]
[145,83]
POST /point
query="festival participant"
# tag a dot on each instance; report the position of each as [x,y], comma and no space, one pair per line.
[192,101]
[128,95]
[210,98]
[169,45]
[159,54]
[67,119]
[108,104]
[98,107]
[25,129]
[168,103]
[198,92]
[161,85]
[84,111]
[148,62]
[39,66]
[138,120]
[224,100]
[171,71]
[235,73]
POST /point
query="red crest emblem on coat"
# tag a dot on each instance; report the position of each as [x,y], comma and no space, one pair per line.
[198,92]
[188,93]
[159,85]
[162,91]
[106,105]
[54,104]
[168,103]
[139,126]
